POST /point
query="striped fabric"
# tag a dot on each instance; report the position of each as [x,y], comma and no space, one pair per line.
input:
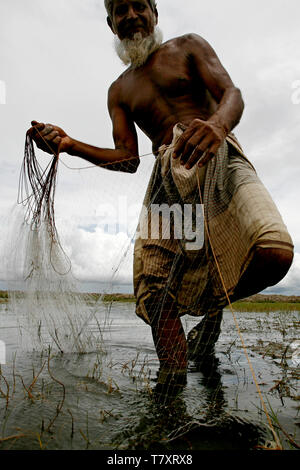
[240,215]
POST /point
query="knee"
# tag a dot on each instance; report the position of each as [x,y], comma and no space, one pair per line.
[274,263]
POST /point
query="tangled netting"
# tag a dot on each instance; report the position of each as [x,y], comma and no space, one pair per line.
[37,193]
[50,310]
[37,188]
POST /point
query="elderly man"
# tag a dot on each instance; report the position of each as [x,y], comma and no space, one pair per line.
[182,98]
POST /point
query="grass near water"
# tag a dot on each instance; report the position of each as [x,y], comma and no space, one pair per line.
[247,305]
[266,307]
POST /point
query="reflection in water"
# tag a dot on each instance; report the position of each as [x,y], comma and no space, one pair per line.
[211,382]
[107,403]
[171,426]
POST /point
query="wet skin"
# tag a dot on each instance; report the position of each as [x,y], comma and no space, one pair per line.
[183,81]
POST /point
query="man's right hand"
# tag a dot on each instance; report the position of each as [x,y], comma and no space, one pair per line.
[49,138]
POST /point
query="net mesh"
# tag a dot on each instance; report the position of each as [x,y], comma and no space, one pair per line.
[174,271]
[51,311]
[169,242]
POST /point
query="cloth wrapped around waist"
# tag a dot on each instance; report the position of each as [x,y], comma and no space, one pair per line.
[176,250]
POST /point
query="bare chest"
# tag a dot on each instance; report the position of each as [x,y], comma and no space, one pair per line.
[162,81]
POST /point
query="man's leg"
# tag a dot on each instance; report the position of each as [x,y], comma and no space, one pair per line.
[168,336]
[268,267]
[202,338]
[170,343]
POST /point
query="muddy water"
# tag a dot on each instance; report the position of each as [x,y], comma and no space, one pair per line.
[103,400]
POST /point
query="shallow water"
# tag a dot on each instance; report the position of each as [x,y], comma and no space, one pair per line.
[103,400]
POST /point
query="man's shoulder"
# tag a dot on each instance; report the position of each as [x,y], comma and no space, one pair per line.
[115,88]
[114,94]
[187,40]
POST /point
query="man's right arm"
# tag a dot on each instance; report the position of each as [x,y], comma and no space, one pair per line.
[124,157]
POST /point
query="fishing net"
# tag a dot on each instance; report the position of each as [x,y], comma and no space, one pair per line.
[52,314]
[51,310]
[188,249]
[186,246]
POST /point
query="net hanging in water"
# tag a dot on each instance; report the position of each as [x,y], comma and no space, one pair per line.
[51,312]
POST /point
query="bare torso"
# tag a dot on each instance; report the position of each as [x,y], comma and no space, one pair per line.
[165,91]
[183,81]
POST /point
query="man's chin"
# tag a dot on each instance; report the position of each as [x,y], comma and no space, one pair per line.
[136,49]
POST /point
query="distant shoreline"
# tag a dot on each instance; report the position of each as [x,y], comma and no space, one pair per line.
[120,297]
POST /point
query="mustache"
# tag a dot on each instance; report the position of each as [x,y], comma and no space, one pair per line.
[126,25]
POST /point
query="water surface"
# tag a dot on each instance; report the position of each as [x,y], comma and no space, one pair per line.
[103,400]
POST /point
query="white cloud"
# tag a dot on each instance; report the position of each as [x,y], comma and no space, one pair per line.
[99,256]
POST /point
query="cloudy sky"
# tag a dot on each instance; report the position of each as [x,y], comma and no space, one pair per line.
[56,64]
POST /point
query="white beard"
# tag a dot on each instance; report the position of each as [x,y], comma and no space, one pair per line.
[136,51]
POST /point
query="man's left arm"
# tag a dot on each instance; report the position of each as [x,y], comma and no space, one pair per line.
[206,136]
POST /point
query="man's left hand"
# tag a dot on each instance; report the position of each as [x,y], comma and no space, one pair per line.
[199,143]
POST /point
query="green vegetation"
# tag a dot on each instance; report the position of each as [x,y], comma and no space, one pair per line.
[118,298]
[3,296]
[89,297]
[265,307]
[256,303]
[268,303]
